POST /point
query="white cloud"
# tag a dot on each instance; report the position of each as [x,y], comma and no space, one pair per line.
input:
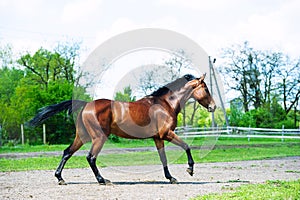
[166,22]
[123,24]
[196,4]
[21,8]
[274,27]
[118,26]
[81,10]
[275,30]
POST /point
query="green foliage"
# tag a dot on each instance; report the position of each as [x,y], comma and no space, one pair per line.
[203,118]
[257,74]
[269,190]
[200,117]
[125,96]
[179,120]
[32,82]
[269,115]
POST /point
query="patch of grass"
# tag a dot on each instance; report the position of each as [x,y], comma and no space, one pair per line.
[40,163]
[292,171]
[237,154]
[268,190]
[126,143]
[149,157]
[30,148]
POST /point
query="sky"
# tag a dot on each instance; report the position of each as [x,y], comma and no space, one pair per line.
[214,24]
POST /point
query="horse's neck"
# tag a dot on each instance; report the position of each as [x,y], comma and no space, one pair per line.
[177,99]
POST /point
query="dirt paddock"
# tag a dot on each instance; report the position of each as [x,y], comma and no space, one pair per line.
[146,182]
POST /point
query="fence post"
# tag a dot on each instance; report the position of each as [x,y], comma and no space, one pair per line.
[282,134]
[249,132]
[217,132]
[22,134]
[44,133]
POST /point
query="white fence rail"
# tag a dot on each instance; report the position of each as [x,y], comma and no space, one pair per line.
[238,132]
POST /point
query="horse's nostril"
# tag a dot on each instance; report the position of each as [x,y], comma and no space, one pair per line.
[211,108]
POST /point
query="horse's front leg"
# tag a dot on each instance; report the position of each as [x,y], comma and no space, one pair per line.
[162,155]
[191,162]
[172,137]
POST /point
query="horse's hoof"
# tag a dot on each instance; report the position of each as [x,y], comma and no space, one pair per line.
[105,182]
[190,171]
[173,180]
[62,182]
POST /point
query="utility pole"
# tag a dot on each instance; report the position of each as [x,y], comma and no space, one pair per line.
[212,92]
[212,73]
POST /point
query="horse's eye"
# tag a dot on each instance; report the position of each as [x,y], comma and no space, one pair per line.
[206,90]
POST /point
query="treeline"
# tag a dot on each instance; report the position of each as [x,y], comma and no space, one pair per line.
[263,87]
[33,81]
[266,85]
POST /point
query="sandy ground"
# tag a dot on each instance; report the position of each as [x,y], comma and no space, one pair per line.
[146,182]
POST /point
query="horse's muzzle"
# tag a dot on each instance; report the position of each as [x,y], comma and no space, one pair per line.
[211,107]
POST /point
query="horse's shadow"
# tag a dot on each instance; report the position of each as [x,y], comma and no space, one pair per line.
[155,182]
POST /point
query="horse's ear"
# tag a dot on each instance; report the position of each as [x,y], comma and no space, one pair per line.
[201,79]
[194,83]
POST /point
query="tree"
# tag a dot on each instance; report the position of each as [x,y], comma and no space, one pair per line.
[236,111]
[6,56]
[43,78]
[270,64]
[170,70]
[52,75]
[264,80]
[255,75]
[69,53]
[242,74]
[176,64]
[9,80]
[289,84]
[155,76]
[125,96]
[45,66]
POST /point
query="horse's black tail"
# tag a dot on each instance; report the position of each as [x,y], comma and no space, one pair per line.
[48,111]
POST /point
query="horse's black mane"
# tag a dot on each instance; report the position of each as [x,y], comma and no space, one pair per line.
[178,83]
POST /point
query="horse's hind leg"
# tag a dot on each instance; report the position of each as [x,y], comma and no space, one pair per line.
[97,144]
[172,137]
[98,135]
[161,151]
[68,152]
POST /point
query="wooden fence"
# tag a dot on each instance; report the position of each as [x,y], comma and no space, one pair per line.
[238,132]
[219,132]
[23,138]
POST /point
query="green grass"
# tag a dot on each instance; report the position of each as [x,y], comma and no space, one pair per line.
[147,158]
[32,148]
[269,190]
[42,148]
[125,143]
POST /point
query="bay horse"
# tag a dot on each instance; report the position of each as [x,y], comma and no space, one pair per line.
[154,116]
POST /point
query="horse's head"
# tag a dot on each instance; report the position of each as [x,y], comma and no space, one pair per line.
[202,95]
